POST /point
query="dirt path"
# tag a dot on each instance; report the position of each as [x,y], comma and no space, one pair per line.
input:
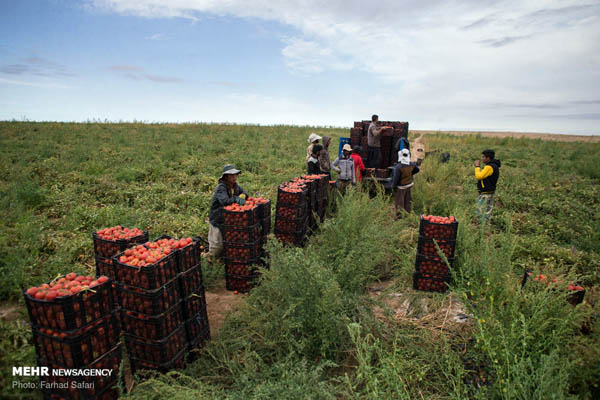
[544,136]
[219,302]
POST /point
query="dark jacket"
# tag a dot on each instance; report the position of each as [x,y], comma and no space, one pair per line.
[488,184]
[313,166]
[403,173]
[223,197]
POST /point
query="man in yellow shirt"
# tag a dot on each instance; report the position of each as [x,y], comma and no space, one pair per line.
[487,178]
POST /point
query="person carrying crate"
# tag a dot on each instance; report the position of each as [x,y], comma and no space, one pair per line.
[374,142]
[226,193]
[344,166]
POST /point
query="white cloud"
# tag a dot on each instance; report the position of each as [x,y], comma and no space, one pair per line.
[448,58]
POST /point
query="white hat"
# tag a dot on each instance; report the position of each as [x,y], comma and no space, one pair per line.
[347,147]
[314,137]
[404,156]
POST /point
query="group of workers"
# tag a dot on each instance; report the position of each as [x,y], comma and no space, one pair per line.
[350,168]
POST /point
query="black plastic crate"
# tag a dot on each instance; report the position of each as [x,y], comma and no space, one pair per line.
[426,247]
[240,218]
[108,248]
[177,362]
[197,331]
[79,348]
[430,283]
[152,327]
[438,231]
[433,265]
[149,302]
[190,281]
[84,387]
[242,270]
[576,296]
[291,212]
[189,255]
[72,312]
[149,276]
[242,251]
[292,226]
[241,284]
[194,304]
[296,199]
[104,266]
[245,234]
[291,238]
[156,351]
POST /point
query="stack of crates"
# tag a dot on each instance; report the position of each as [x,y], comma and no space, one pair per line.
[358,135]
[77,331]
[291,217]
[193,296]
[152,312]
[432,273]
[243,240]
[315,203]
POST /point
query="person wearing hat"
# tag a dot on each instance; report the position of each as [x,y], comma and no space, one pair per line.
[312,140]
[344,166]
[402,181]
[226,193]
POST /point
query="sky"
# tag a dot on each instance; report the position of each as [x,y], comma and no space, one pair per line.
[529,65]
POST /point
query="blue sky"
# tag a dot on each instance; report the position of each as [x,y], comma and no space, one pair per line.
[469,65]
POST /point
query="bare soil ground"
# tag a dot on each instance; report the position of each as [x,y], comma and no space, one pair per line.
[544,136]
[219,302]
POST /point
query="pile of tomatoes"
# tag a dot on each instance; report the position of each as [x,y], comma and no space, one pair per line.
[157,352]
[429,283]
[152,327]
[79,348]
[118,233]
[438,227]
[69,302]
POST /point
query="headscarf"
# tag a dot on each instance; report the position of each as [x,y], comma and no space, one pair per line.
[404,156]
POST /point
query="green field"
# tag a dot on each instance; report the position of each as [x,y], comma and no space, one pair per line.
[312,329]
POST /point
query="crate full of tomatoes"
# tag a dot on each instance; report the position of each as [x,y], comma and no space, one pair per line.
[436,227]
[152,327]
[146,301]
[84,387]
[430,283]
[79,347]
[156,351]
[69,302]
[197,331]
[148,266]
[427,246]
[110,241]
[433,265]
[293,193]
